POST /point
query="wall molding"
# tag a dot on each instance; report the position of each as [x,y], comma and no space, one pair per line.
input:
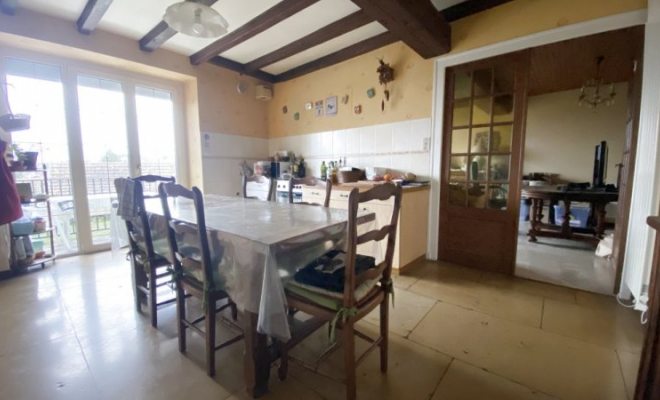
[610,23]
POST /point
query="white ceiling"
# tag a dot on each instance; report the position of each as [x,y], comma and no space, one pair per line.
[134,18]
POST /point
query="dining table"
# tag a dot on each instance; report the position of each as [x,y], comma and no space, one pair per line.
[257,247]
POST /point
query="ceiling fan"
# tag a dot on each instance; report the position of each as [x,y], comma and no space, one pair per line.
[196,20]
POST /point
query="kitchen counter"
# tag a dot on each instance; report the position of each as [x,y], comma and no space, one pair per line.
[412,231]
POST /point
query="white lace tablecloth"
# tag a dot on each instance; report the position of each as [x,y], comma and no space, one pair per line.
[260,245]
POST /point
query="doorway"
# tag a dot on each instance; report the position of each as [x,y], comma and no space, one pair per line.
[551,152]
[90,127]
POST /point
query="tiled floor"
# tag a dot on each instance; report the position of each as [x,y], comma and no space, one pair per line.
[70,332]
[563,262]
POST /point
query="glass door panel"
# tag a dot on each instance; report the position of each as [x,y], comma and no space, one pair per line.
[102,111]
[37,90]
[155,118]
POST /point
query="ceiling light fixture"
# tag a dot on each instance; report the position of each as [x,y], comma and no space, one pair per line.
[590,94]
[195,19]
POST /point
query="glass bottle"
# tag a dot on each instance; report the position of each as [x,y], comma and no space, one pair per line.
[324,171]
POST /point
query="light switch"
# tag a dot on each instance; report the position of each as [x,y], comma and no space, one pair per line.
[427,144]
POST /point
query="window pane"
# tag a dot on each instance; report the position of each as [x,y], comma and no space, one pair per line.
[462,85]
[500,140]
[498,196]
[461,113]
[457,194]
[499,168]
[36,89]
[458,170]
[477,195]
[479,140]
[483,82]
[503,109]
[481,111]
[155,114]
[459,141]
[478,168]
[104,137]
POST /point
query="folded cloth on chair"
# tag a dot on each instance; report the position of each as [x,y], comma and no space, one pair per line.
[328,271]
[126,208]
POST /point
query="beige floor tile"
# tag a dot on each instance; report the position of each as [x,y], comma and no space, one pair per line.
[529,287]
[466,382]
[514,306]
[145,364]
[630,367]
[598,301]
[440,271]
[615,330]
[414,370]
[409,308]
[51,370]
[287,390]
[551,363]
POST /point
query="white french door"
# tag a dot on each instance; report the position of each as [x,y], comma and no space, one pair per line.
[112,125]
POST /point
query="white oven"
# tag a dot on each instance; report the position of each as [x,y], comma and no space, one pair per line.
[282,191]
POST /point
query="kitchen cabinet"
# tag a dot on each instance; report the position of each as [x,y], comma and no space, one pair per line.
[412,231]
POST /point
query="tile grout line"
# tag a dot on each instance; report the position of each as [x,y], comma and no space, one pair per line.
[444,374]
[542,313]
[625,384]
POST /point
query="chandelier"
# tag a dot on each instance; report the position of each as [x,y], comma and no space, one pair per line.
[592,94]
[195,19]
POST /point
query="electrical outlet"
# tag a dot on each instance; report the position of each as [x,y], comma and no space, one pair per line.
[427,144]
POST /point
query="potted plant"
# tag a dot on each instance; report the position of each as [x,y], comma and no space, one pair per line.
[16,157]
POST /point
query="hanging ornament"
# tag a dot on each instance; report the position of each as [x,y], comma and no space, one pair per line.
[385,76]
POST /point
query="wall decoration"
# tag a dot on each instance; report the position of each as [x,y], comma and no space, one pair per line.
[331,105]
[344,99]
[308,106]
[371,93]
[296,116]
[285,110]
[318,108]
[242,87]
[385,76]
[357,109]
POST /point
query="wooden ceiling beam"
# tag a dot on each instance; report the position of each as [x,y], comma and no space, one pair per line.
[240,68]
[92,14]
[328,32]
[415,22]
[8,6]
[469,7]
[267,19]
[344,54]
[161,33]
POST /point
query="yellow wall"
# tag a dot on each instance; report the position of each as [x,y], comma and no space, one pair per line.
[561,136]
[413,85]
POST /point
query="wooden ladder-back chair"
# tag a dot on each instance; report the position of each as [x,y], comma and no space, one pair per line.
[150,266]
[262,187]
[193,272]
[363,290]
[312,181]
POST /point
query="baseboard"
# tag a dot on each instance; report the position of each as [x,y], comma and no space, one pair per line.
[410,266]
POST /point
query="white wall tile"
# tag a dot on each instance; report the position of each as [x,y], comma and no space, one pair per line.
[382,162]
[367,140]
[326,144]
[401,163]
[401,138]
[339,143]
[315,144]
[420,166]
[420,129]
[353,141]
[384,138]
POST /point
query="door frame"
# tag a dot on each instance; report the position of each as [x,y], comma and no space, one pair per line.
[70,68]
[649,108]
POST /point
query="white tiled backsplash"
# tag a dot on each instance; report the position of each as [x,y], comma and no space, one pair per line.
[397,146]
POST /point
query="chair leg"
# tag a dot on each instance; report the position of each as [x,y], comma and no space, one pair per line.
[181,315]
[349,360]
[210,338]
[384,332]
[153,299]
[234,310]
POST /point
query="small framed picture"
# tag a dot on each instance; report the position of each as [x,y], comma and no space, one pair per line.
[331,105]
[318,108]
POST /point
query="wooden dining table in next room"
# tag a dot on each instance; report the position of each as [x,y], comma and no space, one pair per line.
[257,247]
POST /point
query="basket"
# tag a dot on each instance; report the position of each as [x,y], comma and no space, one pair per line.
[349,176]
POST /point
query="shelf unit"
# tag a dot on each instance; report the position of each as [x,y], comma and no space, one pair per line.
[50,230]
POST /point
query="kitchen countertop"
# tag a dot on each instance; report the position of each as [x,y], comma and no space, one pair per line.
[363,185]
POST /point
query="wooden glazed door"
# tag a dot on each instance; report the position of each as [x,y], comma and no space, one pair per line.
[485,106]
